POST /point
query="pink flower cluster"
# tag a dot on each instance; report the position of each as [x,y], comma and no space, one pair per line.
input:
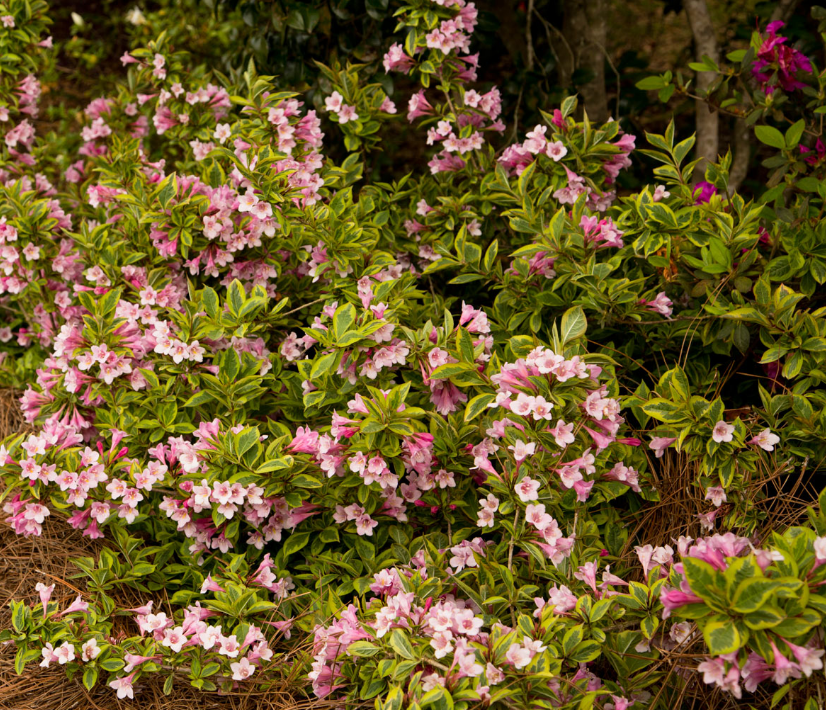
[519,156]
[450,624]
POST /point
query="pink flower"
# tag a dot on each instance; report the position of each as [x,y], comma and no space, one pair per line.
[124,687]
[242,669]
[588,573]
[556,151]
[518,655]
[563,433]
[809,659]
[347,113]
[521,450]
[714,673]
[722,432]
[64,653]
[765,440]
[397,60]
[674,599]
[77,605]
[418,106]
[716,495]
[703,192]
[45,594]
[90,650]
[783,667]
[777,64]
[527,489]
[174,639]
[365,525]
[661,304]
[660,443]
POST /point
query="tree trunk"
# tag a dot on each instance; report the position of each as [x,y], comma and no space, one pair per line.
[705,42]
[584,27]
[784,10]
[581,45]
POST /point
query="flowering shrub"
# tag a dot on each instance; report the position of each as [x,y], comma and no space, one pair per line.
[258,383]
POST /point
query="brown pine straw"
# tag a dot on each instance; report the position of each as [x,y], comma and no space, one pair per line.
[25,561]
[11,418]
[781,494]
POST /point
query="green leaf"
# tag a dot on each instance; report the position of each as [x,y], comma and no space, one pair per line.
[276,464]
[18,617]
[451,369]
[703,579]
[664,411]
[245,440]
[465,342]
[211,304]
[363,649]
[585,652]
[721,636]
[573,324]
[651,83]
[752,594]
[324,364]
[199,398]
[295,542]
[302,480]
[649,625]
[401,644]
[343,320]
[490,256]
[794,133]
[770,136]
[90,677]
[478,405]
[572,638]
[167,190]
[765,617]
[113,664]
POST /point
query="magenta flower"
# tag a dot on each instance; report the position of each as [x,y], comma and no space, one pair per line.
[703,192]
[778,64]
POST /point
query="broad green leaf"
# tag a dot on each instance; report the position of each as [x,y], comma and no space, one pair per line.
[770,136]
[721,636]
[573,324]
[401,644]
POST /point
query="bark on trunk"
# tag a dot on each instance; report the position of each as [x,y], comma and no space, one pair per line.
[581,45]
[784,10]
[705,42]
[584,28]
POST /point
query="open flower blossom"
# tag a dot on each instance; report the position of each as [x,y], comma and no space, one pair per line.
[722,432]
[766,440]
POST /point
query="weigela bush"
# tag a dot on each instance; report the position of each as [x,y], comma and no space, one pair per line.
[394,432]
